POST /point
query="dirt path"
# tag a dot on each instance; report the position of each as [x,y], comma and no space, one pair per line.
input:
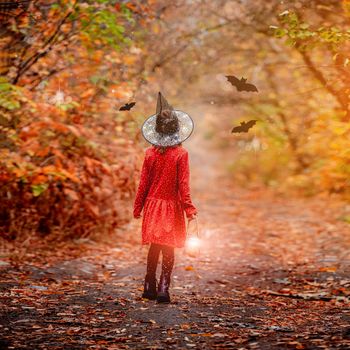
[273,274]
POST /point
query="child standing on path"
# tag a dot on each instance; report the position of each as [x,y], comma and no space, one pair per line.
[164,194]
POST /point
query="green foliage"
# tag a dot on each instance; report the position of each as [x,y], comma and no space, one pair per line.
[271,130]
[9,95]
[346,218]
[39,189]
[68,106]
[269,165]
[103,25]
[298,32]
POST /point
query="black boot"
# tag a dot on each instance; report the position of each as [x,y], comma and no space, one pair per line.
[163,289]
[150,288]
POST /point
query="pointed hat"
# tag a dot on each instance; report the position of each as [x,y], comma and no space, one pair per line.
[149,132]
[162,104]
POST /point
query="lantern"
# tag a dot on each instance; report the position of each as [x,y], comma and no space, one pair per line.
[193,241]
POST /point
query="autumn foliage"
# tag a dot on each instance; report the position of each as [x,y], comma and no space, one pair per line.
[67,155]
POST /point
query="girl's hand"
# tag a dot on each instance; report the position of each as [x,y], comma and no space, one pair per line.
[192,217]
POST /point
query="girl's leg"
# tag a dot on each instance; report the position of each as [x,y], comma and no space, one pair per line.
[165,277]
[168,260]
[150,285]
[152,259]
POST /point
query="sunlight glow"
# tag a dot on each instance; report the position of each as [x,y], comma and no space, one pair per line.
[193,245]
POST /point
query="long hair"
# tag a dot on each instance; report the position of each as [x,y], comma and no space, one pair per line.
[166,123]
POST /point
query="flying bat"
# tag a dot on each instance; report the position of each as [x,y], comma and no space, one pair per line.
[241,84]
[127,106]
[244,127]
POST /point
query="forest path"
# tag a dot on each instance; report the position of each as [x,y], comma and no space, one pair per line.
[273,274]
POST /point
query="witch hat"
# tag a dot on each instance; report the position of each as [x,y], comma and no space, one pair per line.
[149,132]
[162,104]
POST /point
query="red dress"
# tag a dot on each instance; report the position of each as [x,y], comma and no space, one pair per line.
[164,196]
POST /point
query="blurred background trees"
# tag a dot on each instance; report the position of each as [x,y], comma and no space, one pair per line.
[69,157]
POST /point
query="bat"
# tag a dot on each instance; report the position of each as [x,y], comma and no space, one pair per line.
[241,84]
[244,127]
[127,106]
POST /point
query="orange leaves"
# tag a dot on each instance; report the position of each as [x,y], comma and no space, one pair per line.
[130,60]
[49,169]
[106,169]
[37,174]
[297,344]
[74,130]
[45,139]
[121,91]
[4,177]
[87,93]
[139,8]
[72,194]
[346,7]
[28,132]
[49,173]
[43,152]
[65,157]
[70,175]
[131,6]
[98,55]
[20,172]
[329,269]
[91,165]
[39,179]
[156,28]
[58,173]
[33,130]
[92,208]
[60,127]
[59,155]
[94,165]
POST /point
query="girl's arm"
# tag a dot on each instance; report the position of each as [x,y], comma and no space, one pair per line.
[184,186]
[142,189]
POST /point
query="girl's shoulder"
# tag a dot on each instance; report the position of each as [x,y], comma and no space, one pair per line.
[148,153]
[178,149]
[181,150]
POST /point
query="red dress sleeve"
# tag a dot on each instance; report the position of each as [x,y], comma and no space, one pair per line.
[184,185]
[143,188]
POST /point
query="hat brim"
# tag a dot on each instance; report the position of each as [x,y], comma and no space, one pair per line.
[186,127]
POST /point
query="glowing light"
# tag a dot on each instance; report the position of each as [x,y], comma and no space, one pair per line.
[194,242]
[193,245]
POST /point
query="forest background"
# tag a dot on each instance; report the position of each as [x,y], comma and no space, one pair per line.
[70,160]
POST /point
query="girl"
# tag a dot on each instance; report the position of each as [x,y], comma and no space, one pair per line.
[164,194]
